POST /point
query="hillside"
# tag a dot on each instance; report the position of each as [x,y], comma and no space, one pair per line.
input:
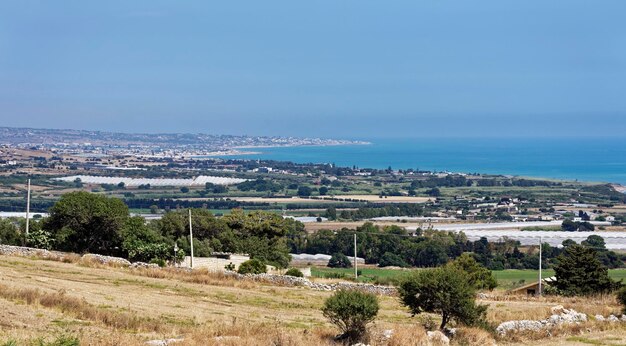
[120,306]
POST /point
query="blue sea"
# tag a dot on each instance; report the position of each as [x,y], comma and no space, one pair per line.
[583,159]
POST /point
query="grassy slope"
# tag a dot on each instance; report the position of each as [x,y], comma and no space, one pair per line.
[108,306]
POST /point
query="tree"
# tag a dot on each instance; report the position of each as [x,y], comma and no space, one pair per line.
[252,266]
[430,253]
[339,260]
[568,242]
[331,213]
[434,192]
[184,189]
[304,191]
[261,234]
[86,222]
[445,290]
[323,190]
[142,243]
[351,311]
[9,234]
[574,226]
[479,277]
[578,271]
[595,242]
[389,259]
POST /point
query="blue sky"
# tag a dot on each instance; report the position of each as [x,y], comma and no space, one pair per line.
[336,68]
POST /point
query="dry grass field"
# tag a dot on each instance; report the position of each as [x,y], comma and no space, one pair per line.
[46,300]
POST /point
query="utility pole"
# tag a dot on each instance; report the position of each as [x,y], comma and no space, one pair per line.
[356,273]
[28,208]
[540,248]
[175,254]
[190,241]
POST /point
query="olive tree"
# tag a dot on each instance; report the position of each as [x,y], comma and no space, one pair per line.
[445,290]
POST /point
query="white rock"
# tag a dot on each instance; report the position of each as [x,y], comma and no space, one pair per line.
[557,310]
[164,342]
[599,318]
[387,334]
[226,338]
[567,316]
[437,338]
[613,318]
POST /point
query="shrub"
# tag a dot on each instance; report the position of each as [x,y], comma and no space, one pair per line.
[447,291]
[621,297]
[252,266]
[230,266]
[334,275]
[339,260]
[351,311]
[40,239]
[294,272]
[158,261]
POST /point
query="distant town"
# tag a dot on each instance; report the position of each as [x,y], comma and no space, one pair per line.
[99,143]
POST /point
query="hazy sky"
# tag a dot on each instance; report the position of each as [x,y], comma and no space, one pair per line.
[334,68]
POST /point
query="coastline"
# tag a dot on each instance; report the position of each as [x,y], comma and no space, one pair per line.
[539,159]
[301,145]
[236,152]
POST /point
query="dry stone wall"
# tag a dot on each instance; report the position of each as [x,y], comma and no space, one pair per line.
[281,280]
[284,280]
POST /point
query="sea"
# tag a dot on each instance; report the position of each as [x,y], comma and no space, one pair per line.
[582,159]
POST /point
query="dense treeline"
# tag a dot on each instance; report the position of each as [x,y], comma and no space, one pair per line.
[392,245]
[447,181]
[260,185]
[171,204]
[380,210]
[83,222]
[459,181]
[19,204]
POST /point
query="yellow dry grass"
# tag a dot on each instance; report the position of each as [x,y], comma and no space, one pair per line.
[122,306]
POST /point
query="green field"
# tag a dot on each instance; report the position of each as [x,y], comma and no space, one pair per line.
[507,279]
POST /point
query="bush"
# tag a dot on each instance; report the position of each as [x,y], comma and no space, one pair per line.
[334,275]
[339,260]
[294,272]
[351,311]
[621,297]
[158,261]
[252,266]
[40,239]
